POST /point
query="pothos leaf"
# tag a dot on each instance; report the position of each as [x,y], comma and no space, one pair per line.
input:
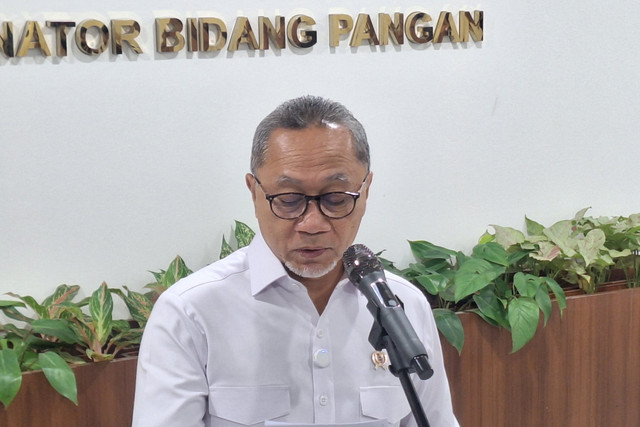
[59,375]
[10,376]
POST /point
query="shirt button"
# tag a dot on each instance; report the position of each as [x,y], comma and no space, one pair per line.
[321,358]
[319,333]
[324,399]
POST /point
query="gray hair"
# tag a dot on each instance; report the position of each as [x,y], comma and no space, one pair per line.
[304,112]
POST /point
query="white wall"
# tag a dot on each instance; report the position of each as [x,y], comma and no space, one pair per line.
[109,167]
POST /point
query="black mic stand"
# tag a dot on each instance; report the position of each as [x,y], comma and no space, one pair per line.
[379,339]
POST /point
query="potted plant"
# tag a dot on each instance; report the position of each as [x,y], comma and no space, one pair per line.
[55,343]
[581,369]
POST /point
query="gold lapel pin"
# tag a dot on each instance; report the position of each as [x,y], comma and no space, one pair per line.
[380,359]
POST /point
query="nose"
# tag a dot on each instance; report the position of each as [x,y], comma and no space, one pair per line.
[313,221]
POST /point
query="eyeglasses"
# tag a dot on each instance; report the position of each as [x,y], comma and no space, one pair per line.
[334,205]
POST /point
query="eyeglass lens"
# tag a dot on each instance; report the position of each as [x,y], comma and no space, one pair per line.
[293,205]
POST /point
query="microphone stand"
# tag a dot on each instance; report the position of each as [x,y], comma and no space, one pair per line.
[379,339]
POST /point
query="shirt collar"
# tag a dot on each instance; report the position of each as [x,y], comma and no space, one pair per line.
[267,269]
[264,266]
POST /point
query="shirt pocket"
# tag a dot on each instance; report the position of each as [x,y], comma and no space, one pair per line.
[249,405]
[384,402]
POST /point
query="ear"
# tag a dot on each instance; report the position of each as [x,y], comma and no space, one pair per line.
[250,180]
[366,191]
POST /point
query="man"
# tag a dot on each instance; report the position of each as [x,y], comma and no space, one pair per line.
[275,331]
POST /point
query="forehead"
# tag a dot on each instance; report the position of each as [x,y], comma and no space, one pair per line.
[318,150]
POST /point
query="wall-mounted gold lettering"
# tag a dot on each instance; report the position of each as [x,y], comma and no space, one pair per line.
[60,30]
[446,27]
[416,31]
[192,41]
[212,29]
[267,31]
[242,34]
[32,38]
[340,24]
[364,31]
[101,39]
[473,26]
[124,31]
[209,34]
[301,37]
[6,39]
[168,35]
[388,27]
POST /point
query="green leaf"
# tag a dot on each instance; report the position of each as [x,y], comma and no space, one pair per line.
[158,275]
[138,304]
[176,271]
[7,303]
[98,357]
[507,236]
[523,315]
[490,306]
[59,328]
[544,302]
[244,234]
[557,291]
[580,214]
[486,238]
[451,327]
[547,251]
[101,309]
[589,248]
[63,294]
[516,256]
[526,284]
[423,251]
[492,252]
[41,312]
[10,376]
[226,249]
[533,228]
[473,275]
[59,375]
[433,283]
[12,313]
[560,234]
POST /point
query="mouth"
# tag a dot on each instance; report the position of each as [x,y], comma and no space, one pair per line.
[311,253]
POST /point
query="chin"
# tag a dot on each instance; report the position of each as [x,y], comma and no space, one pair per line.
[310,271]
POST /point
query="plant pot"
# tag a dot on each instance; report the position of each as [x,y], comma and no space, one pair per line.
[105,398]
[579,370]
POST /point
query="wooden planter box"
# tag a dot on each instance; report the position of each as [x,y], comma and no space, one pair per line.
[580,370]
[105,398]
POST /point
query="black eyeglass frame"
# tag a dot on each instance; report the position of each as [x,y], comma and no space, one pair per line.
[317,198]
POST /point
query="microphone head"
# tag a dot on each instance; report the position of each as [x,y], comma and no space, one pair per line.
[358,261]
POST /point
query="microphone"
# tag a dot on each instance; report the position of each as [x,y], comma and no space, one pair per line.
[366,272]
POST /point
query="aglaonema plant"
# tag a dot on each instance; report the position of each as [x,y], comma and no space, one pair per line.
[31,346]
[60,331]
[140,304]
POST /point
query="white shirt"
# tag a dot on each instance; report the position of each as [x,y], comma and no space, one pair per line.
[240,342]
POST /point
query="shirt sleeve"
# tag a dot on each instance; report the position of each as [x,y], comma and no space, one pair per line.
[171,385]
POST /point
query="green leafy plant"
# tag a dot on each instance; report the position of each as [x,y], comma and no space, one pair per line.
[243,235]
[489,282]
[140,305]
[582,251]
[509,276]
[60,331]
